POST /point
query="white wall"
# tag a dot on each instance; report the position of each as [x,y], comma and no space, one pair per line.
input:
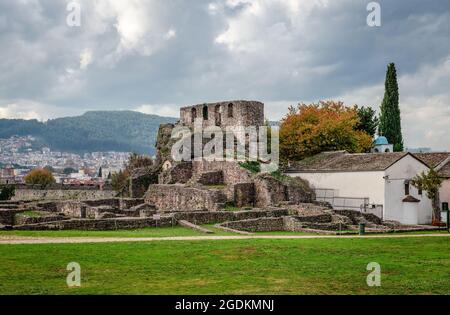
[387,192]
[405,169]
[349,184]
[444,192]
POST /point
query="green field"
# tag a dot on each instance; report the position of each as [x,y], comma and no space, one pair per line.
[301,266]
[159,232]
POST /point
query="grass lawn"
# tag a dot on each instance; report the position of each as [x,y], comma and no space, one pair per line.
[160,232]
[147,232]
[302,266]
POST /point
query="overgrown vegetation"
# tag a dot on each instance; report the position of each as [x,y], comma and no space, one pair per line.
[7,192]
[32,214]
[252,166]
[120,180]
[431,183]
[231,206]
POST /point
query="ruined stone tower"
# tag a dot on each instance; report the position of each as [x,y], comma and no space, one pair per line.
[224,114]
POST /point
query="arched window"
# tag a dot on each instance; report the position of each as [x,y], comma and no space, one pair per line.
[387,151]
[193,114]
[205,112]
[376,151]
[217,115]
[230,111]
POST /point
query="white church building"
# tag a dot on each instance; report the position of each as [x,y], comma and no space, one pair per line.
[379,183]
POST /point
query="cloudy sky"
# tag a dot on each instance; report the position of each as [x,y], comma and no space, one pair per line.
[154,56]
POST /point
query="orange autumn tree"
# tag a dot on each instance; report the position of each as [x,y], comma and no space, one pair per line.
[327,126]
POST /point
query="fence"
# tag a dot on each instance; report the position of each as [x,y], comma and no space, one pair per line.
[349,203]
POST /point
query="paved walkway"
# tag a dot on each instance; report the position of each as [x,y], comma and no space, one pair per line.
[5,240]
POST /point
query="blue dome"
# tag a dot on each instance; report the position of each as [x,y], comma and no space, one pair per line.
[381,141]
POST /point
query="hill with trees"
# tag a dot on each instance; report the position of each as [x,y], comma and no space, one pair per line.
[96,131]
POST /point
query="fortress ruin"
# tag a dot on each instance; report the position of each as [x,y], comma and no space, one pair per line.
[235,195]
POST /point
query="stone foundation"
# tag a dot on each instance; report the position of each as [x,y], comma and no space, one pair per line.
[73,194]
[223,216]
[256,225]
[101,225]
[172,198]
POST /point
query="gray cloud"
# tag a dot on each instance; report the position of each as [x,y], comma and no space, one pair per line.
[154,56]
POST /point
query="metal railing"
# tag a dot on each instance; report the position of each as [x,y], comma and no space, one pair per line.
[340,203]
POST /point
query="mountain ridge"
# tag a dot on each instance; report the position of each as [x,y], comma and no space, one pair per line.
[127,131]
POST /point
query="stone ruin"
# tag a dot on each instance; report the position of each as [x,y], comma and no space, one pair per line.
[229,194]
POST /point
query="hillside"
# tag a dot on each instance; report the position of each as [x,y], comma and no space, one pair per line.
[125,131]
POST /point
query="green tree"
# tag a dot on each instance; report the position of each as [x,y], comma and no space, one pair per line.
[69,170]
[119,181]
[138,161]
[40,176]
[7,192]
[368,120]
[100,172]
[269,136]
[49,168]
[390,120]
[430,182]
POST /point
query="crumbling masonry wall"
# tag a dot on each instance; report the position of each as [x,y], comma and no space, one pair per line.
[224,114]
[170,198]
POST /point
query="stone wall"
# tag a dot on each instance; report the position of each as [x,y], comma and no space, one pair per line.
[179,173]
[359,217]
[101,225]
[211,178]
[285,223]
[21,219]
[244,195]
[232,172]
[257,225]
[222,216]
[7,216]
[141,179]
[73,194]
[273,191]
[269,191]
[300,224]
[93,208]
[183,198]
[74,209]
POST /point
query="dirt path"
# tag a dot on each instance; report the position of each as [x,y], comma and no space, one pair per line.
[5,240]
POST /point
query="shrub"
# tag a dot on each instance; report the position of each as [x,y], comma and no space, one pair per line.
[253,167]
[7,192]
[39,176]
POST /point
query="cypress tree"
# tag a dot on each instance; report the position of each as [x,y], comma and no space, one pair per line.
[390,121]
